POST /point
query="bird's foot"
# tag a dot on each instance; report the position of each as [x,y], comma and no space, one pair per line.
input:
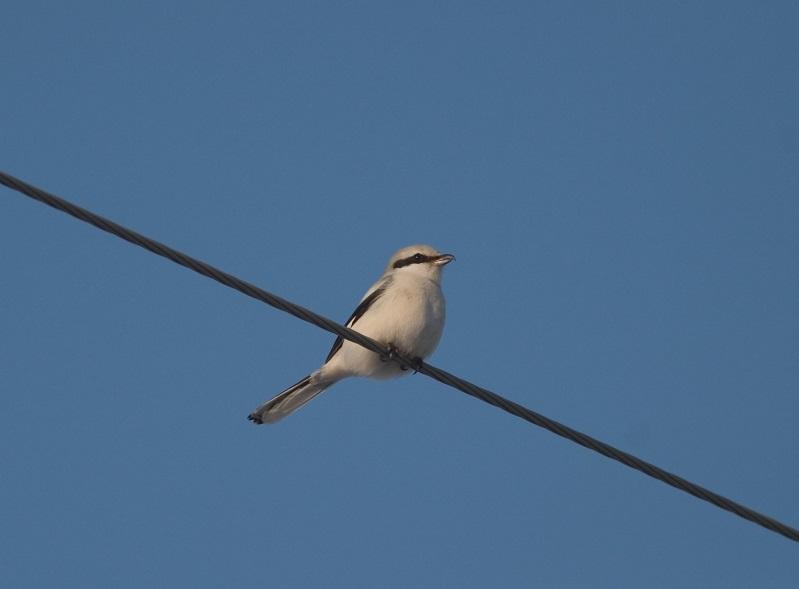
[393,353]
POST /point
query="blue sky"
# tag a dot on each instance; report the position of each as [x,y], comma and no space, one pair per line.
[619,182]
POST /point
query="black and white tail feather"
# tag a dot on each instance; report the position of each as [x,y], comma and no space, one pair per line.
[404,309]
[289,400]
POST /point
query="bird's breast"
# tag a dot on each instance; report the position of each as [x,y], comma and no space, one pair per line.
[411,317]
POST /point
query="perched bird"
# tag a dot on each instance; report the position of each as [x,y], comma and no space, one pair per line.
[404,310]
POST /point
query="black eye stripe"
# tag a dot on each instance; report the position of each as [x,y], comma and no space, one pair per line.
[416,258]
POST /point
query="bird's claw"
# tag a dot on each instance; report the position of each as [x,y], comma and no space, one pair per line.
[393,352]
[390,355]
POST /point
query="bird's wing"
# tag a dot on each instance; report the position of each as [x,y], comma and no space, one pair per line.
[368,300]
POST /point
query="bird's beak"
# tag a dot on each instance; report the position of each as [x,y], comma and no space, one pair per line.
[443,259]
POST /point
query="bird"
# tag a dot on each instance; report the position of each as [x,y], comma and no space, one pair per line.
[404,310]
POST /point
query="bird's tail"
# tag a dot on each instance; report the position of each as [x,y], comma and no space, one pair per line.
[289,400]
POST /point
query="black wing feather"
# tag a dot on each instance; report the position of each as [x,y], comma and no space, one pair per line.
[362,307]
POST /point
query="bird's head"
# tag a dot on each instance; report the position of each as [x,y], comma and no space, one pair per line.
[421,260]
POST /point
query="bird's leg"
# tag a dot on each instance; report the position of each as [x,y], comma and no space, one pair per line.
[393,352]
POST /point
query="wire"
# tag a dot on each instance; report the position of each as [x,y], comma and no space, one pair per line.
[428,369]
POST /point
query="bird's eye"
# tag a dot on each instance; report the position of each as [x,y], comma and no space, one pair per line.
[418,257]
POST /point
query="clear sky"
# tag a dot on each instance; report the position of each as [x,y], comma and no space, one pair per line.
[618,181]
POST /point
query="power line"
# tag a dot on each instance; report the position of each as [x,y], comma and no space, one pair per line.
[428,369]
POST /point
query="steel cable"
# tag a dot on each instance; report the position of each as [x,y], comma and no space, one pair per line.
[428,369]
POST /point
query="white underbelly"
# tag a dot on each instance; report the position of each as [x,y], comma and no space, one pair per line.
[404,318]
